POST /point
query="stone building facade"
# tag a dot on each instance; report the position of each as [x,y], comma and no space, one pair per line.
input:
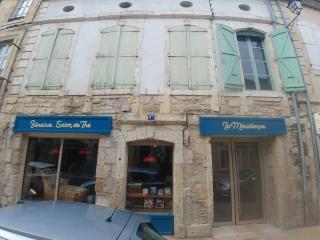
[152,113]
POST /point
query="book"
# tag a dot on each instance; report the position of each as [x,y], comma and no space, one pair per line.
[153,191]
[160,192]
[145,191]
[167,191]
[159,203]
[148,203]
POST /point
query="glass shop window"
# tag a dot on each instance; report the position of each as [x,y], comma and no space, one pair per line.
[149,180]
[62,169]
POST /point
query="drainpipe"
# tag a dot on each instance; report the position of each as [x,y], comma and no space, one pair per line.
[309,108]
[299,128]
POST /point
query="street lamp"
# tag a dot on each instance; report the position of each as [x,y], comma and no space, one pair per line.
[295,6]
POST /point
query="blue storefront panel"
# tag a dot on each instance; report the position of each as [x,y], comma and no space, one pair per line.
[63,124]
[245,126]
[164,223]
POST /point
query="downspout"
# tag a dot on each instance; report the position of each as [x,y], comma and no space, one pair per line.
[299,128]
[309,109]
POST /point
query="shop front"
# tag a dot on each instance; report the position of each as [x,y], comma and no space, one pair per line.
[239,161]
[61,156]
[149,182]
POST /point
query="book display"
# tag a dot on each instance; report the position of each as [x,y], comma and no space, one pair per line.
[149,186]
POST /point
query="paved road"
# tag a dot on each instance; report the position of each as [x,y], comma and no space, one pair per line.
[262,232]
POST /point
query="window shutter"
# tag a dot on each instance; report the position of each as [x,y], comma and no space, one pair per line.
[178,60]
[59,57]
[127,55]
[199,59]
[287,60]
[230,57]
[41,61]
[106,58]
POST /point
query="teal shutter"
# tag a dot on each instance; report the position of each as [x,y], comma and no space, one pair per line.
[199,59]
[106,58]
[127,56]
[230,57]
[41,61]
[116,59]
[287,60]
[58,60]
[178,58]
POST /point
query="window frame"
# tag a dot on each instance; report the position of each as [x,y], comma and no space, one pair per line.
[114,88]
[4,58]
[16,15]
[44,84]
[189,86]
[253,61]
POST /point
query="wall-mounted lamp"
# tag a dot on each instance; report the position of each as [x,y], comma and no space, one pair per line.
[295,6]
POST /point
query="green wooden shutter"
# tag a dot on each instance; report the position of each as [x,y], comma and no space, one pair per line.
[287,60]
[41,61]
[178,58]
[59,57]
[126,60]
[230,57]
[199,59]
[106,56]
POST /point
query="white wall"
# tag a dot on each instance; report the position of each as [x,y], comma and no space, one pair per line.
[153,57]
[311,38]
[94,8]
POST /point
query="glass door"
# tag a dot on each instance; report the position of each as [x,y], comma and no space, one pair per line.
[236,182]
[248,181]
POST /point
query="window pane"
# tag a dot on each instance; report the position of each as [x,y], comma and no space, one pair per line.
[242,42]
[265,83]
[256,42]
[244,53]
[262,68]
[259,54]
[246,67]
[250,83]
[78,169]
[41,169]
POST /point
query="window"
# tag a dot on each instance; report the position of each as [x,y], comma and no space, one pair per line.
[116,59]
[62,169]
[254,61]
[188,58]
[149,181]
[49,64]
[22,9]
[4,52]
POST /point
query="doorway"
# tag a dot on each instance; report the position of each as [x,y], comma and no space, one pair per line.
[237,183]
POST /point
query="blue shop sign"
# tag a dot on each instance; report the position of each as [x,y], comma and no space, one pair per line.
[251,126]
[63,124]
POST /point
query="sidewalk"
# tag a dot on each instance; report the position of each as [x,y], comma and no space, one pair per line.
[262,232]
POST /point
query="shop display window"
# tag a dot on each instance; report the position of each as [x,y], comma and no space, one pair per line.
[61,169]
[149,179]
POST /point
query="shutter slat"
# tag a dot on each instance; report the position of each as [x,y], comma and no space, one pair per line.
[230,57]
[200,73]
[287,61]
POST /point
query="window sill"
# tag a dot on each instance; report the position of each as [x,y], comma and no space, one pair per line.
[112,91]
[192,92]
[252,93]
[42,92]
